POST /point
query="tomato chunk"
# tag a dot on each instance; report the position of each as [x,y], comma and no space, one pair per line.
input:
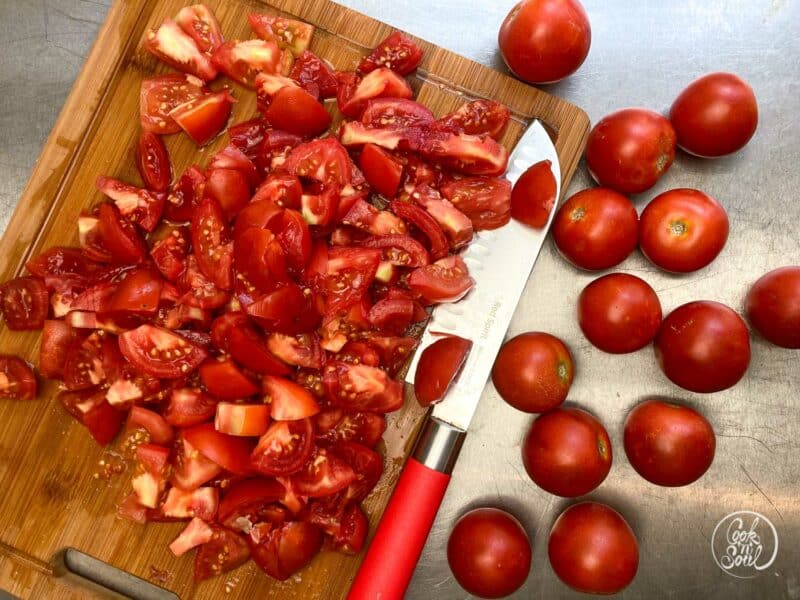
[242,60]
[225,551]
[361,387]
[159,95]
[438,367]
[210,240]
[201,25]
[225,380]
[24,303]
[325,474]
[446,280]
[172,45]
[17,381]
[294,110]
[283,550]
[290,34]
[197,532]
[189,406]
[476,118]
[156,427]
[200,503]
[534,195]
[284,448]
[203,118]
[288,401]
[314,75]
[229,452]
[379,83]
[242,419]
[160,352]
[485,200]
[397,52]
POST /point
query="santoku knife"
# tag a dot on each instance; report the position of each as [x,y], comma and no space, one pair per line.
[500,261]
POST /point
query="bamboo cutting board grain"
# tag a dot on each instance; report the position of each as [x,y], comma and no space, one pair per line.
[50,498]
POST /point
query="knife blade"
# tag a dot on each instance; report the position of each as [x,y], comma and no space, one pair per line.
[500,261]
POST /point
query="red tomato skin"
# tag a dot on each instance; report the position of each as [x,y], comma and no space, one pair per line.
[298,112]
[703,347]
[489,553]
[534,195]
[773,307]
[152,161]
[18,381]
[619,313]
[438,366]
[629,150]
[596,229]
[381,170]
[668,444]
[544,41]
[567,452]
[24,303]
[715,115]
[683,230]
[533,372]
[593,549]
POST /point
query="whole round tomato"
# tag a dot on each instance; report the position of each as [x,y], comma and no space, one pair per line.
[567,452]
[533,372]
[619,313]
[715,115]
[629,150]
[773,307]
[544,41]
[668,444]
[489,553]
[593,549]
[703,347]
[596,229]
[683,230]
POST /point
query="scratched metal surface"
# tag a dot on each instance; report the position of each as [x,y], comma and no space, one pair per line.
[643,53]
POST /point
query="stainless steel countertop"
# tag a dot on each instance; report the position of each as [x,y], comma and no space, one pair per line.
[643,53]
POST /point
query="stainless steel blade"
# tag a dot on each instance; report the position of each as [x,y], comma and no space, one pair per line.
[500,261]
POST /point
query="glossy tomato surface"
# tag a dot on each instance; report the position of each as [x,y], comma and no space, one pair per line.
[567,452]
[533,372]
[629,150]
[619,313]
[683,230]
[773,307]
[668,444]
[596,229]
[703,347]
[534,195]
[715,115]
[438,366]
[593,549]
[544,41]
[489,553]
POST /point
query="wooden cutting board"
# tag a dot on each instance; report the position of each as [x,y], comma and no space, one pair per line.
[49,496]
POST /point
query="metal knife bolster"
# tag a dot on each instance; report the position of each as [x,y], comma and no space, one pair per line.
[438,445]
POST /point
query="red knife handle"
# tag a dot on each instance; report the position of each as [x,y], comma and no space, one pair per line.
[394,551]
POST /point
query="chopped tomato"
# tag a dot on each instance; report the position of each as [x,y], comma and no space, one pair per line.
[379,83]
[201,503]
[383,172]
[185,195]
[335,425]
[159,95]
[225,551]
[361,387]
[280,189]
[294,237]
[231,453]
[242,419]
[400,250]
[168,251]
[92,410]
[83,367]
[397,52]
[476,118]
[247,136]
[230,188]
[323,160]
[275,148]
[242,60]
[67,263]
[290,34]
[349,274]
[249,349]
[120,236]
[197,290]
[268,85]
[392,315]
[288,401]
[24,303]
[160,352]
[210,242]
[244,500]
[325,474]
[190,468]
[17,381]
[302,350]
[129,508]
[320,209]
[189,406]
[157,428]
[57,338]
[203,118]
[534,195]
[446,280]
[225,380]
[173,46]
[284,448]
[367,465]
[354,133]
[396,112]
[286,310]
[90,240]
[153,164]
[139,294]
[280,551]
[366,217]
[294,110]
[314,75]
[256,214]
[485,200]
[149,479]
[455,224]
[196,533]
[351,534]
[358,352]
[201,25]
[423,221]
[231,157]
[439,365]
[469,154]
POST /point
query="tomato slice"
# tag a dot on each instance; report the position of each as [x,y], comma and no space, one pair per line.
[438,366]
[201,25]
[24,303]
[196,533]
[230,188]
[170,44]
[446,280]
[160,352]
[203,118]
[361,387]
[185,195]
[350,272]
[397,52]
[243,60]
[455,224]
[159,95]
[314,75]
[301,350]
[379,83]
[323,160]
[231,453]
[383,172]
[335,425]
[242,419]
[290,34]
[212,249]
[225,380]
[280,551]
[149,479]
[325,474]
[248,348]
[534,195]
[152,162]
[423,221]
[485,200]
[120,236]
[190,468]
[225,551]
[476,118]
[17,381]
[189,406]
[138,294]
[288,401]
[294,110]
[284,448]
[396,112]
[247,136]
[468,154]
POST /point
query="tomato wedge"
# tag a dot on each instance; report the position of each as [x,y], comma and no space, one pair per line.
[138,294]
[242,419]
[17,381]
[197,532]
[288,401]
[152,162]
[294,110]
[360,388]
[211,244]
[379,83]
[324,160]
[400,250]
[534,195]
[203,118]
[159,95]
[446,280]
[190,468]
[57,338]
[469,154]
[242,60]
[247,136]
[160,352]
[396,112]
[149,479]
[366,217]
[455,224]
[229,452]
[476,118]
[158,430]
[170,44]
[438,366]
[397,52]
[325,474]
[249,349]
[24,303]
[120,236]
[189,406]
[290,34]
[335,425]
[225,380]
[302,350]
[185,195]
[225,551]
[314,75]
[383,172]
[350,272]
[485,200]
[423,221]
[280,551]
[284,448]
[201,25]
